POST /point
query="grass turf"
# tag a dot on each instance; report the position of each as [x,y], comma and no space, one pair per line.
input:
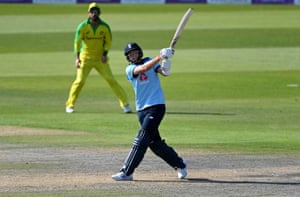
[229,90]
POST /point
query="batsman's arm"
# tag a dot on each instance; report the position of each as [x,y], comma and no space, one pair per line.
[147,66]
[164,54]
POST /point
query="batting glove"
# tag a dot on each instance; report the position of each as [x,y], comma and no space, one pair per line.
[166,67]
[166,53]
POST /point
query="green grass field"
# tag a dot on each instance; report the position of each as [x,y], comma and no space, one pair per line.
[233,88]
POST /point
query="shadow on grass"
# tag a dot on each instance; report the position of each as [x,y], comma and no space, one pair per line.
[203,180]
[201,113]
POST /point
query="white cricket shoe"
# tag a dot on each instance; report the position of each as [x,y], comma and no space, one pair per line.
[182,172]
[69,109]
[127,109]
[121,176]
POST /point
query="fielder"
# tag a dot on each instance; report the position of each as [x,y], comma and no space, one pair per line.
[92,42]
[150,106]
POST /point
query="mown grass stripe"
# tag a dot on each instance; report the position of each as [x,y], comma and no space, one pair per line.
[42,9]
[191,39]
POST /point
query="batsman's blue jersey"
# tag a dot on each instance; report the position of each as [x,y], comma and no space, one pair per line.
[147,88]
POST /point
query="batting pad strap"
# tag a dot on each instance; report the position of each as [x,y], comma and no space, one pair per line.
[137,152]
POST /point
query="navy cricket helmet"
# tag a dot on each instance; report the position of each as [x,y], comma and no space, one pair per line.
[131,46]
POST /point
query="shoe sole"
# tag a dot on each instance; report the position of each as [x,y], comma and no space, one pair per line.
[118,179]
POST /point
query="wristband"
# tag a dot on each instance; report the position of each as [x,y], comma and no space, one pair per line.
[158,58]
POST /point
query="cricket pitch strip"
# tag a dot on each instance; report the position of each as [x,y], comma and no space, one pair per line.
[27,169]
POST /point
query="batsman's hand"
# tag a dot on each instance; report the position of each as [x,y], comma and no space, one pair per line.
[166,53]
[166,67]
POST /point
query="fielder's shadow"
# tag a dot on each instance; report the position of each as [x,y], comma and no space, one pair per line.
[203,180]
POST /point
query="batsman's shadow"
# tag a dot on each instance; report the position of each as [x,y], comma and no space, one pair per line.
[204,180]
[202,113]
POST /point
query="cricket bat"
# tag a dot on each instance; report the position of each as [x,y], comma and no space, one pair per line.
[180,27]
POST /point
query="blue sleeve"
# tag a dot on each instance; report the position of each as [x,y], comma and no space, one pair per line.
[157,66]
[129,72]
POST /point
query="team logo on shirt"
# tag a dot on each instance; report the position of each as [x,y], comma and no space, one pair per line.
[91,36]
[143,77]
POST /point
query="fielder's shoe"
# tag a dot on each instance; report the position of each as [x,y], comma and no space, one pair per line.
[69,109]
[121,176]
[182,172]
[127,109]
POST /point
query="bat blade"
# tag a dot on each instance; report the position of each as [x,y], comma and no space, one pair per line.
[180,27]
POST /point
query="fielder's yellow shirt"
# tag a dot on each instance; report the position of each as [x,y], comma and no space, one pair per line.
[92,42]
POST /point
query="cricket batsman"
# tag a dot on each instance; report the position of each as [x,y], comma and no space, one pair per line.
[143,73]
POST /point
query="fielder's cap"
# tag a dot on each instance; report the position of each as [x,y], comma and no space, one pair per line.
[93,5]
